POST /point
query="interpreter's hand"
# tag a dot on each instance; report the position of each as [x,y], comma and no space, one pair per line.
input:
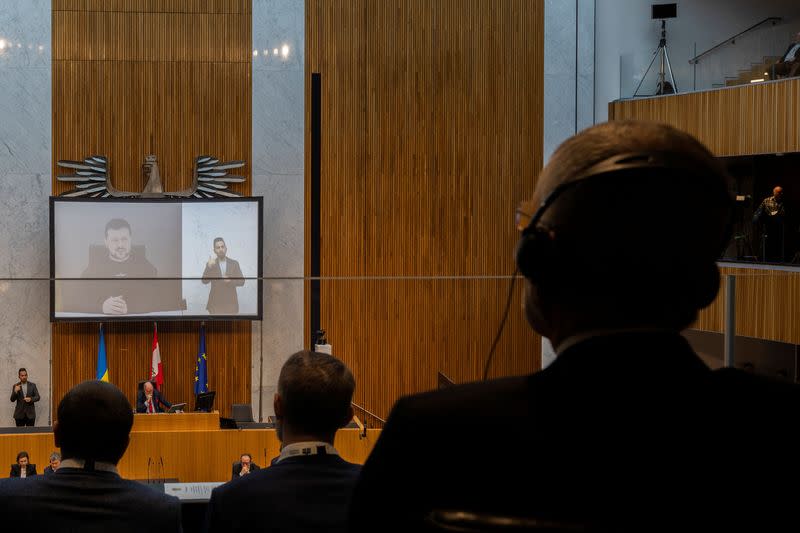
[17,388]
[149,397]
[27,399]
[211,262]
[245,469]
[115,305]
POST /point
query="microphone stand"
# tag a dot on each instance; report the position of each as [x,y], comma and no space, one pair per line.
[161,459]
[149,460]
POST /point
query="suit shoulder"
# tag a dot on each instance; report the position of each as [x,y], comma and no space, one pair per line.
[148,496]
[472,399]
[744,382]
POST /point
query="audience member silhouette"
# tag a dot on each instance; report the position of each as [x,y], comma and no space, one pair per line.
[86,493]
[308,488]
[627,429]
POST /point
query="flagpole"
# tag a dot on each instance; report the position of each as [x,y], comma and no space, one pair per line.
[260,370]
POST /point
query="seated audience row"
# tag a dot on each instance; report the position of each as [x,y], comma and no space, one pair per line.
[24,468]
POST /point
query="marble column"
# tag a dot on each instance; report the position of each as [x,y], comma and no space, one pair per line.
[25,156]
[569,70]
[278,154]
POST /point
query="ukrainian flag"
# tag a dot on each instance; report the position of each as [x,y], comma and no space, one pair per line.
[102,364]
[200,370]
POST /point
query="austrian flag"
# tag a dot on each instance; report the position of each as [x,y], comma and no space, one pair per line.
[156,374]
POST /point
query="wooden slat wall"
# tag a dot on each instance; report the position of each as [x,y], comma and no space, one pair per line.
[746,120]
[155,6]
[171,78]
[767,305]
[431,135]
[751,119]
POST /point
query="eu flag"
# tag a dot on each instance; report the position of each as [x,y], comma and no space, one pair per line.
[200,371]
[102,364]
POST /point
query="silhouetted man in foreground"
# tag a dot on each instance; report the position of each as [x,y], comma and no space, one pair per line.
[308,488]
[86,493]
[627,429]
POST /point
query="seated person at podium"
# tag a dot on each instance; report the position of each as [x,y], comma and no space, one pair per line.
[789,65]
[149,400]
[23,467]
[87,494]
[244,466]
[308,488]
[55,462]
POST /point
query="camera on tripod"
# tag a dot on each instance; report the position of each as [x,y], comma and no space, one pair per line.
[661,12]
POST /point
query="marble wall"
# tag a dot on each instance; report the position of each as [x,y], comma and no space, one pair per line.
[278,134]
[569,72]
[25,108]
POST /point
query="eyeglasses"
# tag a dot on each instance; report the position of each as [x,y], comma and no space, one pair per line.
[524,214]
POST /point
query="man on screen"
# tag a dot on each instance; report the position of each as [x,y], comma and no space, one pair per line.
[114,293]
[224,275]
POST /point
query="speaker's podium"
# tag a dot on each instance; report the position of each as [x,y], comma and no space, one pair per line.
[175,422]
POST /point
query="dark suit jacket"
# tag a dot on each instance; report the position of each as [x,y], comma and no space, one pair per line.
[222,298]
[158,401]
[75,500]
[630,431]
[24,409]
[48,470]
[237,469]
[16,471]
[297,494]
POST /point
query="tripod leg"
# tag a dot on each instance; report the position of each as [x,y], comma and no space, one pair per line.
[636,92]
[669,68]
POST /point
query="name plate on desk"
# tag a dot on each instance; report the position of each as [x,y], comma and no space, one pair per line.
[191,491]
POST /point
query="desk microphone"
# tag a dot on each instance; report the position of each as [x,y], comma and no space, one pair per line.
[161,459]
[149,460]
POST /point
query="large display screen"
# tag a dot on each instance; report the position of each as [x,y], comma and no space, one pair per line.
[155,259]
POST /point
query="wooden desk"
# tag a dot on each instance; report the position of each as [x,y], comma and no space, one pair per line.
[189,455]
[175,422]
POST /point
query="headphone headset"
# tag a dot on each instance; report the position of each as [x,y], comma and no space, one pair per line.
[535,252]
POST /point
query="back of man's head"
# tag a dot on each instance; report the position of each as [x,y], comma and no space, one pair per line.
[316,390]
[637,247]
[94,421]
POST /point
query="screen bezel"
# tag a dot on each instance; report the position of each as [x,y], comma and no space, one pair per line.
[259,200]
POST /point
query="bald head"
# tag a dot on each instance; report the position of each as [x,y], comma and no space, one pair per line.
[94,420]
[634,245]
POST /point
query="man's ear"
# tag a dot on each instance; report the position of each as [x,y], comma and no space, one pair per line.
[348,417]
[277,405]
[57,434]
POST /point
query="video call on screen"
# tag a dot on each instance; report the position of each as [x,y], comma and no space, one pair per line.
[171,259]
